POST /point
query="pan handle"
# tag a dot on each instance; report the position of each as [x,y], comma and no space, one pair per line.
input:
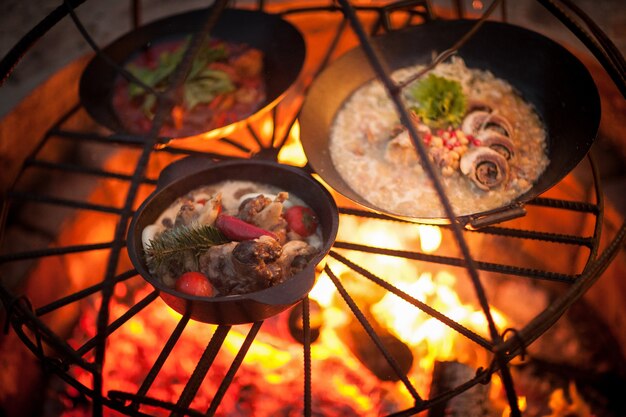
[428,14]
[489,219]
[182,167]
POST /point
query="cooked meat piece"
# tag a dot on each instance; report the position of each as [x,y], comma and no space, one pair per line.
[216,263]
[250,207]
[271,218]
[186,214]
[254,261]
[296,255]
[191,212]
[209,211]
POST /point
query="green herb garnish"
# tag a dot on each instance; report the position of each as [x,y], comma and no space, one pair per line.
[440,101]
[202,84]
[173,243]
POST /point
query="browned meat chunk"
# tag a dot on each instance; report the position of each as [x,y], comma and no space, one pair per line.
[250,207]
[216,263]
[295,256]
[244,267]
[267,214]
[254,261]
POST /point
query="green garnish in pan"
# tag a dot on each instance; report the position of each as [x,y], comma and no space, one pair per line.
[440,101]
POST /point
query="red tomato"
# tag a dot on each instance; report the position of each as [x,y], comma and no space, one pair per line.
[194,283]
[301,220]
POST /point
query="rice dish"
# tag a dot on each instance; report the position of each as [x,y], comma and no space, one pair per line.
[494,153]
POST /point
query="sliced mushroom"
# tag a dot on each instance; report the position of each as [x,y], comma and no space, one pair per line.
[478,105]
[485,167]
[477,121]
[499,143]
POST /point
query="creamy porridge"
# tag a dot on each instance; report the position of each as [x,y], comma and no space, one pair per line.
[488,143]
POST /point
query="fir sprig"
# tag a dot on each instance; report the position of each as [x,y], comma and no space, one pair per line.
[173,243]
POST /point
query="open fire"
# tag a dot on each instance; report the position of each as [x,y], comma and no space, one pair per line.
[349,376]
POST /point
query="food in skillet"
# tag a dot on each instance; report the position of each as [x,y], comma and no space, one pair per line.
[225,85]
[487,142]
[234,237]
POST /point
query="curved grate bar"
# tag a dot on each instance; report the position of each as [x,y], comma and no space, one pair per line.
[230,375]
[81,294]
[372,334]
[133,311]
[55,251]
[21,314]
[460,262]
[422,306]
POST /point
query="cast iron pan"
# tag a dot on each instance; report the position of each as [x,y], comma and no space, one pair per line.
[190,173]
[282,44]
[546,74]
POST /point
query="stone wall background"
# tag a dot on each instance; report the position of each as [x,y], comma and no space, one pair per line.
[106,20]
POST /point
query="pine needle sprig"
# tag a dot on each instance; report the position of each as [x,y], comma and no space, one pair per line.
[173,243]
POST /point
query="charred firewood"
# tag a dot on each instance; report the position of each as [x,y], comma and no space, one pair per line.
[366,351]
[602,390]
[473,402]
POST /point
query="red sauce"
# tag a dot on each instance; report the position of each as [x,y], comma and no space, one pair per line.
[243,65]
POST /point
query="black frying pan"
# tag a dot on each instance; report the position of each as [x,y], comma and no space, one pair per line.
[190,173]
[282,44]
[545,73]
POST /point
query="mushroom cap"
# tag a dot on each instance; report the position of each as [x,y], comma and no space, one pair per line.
[485,167]
[498,142]
[479,120]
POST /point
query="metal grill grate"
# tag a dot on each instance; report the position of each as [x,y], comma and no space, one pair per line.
[25,319]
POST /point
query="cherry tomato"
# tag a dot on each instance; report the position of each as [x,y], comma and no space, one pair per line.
[301,220]
[194,283]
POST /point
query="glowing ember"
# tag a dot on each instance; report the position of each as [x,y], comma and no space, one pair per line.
[342,384]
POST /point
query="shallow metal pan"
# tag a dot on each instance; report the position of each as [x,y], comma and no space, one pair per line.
[282,44]
[190,173]
[547,75]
